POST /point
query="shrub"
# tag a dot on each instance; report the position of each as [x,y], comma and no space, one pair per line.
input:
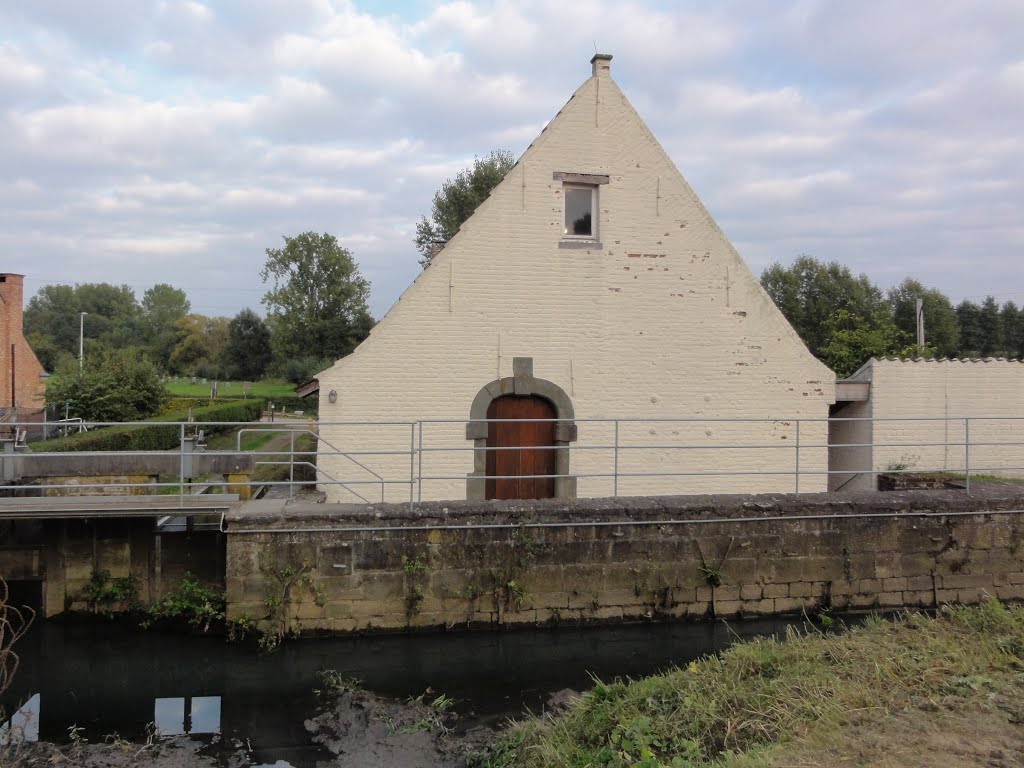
[157,436]
[191,602]
[114,385]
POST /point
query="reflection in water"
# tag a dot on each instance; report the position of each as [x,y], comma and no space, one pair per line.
[23,725]
[188,714]
[109,678]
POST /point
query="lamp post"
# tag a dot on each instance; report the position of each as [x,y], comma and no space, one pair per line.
[81,338]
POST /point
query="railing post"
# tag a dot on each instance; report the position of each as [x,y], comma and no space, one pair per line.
[291,467]
[181,465]
[797,462]
[419,473]
[615,459]
[412,464]
[967,454]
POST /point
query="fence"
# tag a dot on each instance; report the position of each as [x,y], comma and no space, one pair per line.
[420,460]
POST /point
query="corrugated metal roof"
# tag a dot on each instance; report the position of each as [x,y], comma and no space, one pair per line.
[949,359]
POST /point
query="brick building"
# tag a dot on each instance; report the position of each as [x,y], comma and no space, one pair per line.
[22,384]
[591,285]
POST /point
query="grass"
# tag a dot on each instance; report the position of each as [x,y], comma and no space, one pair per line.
[184,387]
[810,699]
[251,441]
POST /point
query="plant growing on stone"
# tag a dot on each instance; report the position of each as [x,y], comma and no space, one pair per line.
[279,596]
[102,593]
[192,602]
[415,570]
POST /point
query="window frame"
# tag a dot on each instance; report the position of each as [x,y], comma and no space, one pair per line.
[594,199]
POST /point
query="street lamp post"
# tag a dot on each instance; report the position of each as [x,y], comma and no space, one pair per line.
[81,338]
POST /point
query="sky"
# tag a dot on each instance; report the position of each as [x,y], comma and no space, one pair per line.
[174,141]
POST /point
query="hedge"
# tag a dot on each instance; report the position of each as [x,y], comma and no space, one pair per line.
[155,436]
[178,405]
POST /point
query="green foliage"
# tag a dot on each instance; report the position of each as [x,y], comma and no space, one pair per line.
[114,385]
[415,570]
[192,602]
[810,293]
[54,311]
[279,595]
[412,566]
[711,575]
[157,436]
[317,302]
[942,331]
[299,370]
[458,198]
[762,698]
[1012,324]
[248,351]
[103,594]
[162,307]
[853,340]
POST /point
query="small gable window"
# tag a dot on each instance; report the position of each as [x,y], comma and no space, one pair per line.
[580,193]
[580,211]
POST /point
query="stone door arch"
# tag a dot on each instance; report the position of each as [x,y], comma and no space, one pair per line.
[523,383]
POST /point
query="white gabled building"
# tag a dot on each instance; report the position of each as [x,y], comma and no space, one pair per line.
[592,284]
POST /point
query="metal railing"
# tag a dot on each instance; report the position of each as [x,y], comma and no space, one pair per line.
[432,458]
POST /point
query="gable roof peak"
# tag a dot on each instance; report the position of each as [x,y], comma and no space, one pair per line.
[602,65]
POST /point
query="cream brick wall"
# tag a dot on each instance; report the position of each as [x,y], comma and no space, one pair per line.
[989,391]
[663,320]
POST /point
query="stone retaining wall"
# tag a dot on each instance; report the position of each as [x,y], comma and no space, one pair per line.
[357,568]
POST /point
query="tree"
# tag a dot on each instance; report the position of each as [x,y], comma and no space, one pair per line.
[810,292]
[53,314]
[162,307]
[317,305]
[114,385]
[1013,330]
[853,340]
[248,351]
[190,343]
[942,331]
[457,199]
[990,328]
[968,316]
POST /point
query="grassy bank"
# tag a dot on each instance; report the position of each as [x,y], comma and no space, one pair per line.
[915,692]
[266,388]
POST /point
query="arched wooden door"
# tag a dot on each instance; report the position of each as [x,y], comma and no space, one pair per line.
[509,471]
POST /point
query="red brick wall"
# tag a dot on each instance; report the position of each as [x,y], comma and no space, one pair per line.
[29,387]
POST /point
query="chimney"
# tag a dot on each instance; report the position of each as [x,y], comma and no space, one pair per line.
[602,64]
[11,287]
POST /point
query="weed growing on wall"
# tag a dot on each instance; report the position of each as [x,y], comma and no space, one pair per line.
[503,582]
[280,594]
[415,571]
[192,602]
[104,595]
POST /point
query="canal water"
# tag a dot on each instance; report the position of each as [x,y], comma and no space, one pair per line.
[108,678]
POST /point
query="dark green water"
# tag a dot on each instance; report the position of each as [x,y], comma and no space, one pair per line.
[110,678]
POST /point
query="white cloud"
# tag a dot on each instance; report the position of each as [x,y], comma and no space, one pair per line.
[196,134]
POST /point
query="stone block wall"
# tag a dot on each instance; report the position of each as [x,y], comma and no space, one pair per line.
[347,568]
[64,555]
